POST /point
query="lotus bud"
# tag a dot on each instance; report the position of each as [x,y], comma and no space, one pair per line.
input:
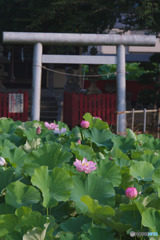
[85,124]
[79,141]
[131,192]
[38,130]
[2,161]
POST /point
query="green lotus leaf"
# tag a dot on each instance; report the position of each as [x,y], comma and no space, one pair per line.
[95,122]
[6,209]
[151,219]
[63,210]
[55,186]
[28,219]
[62,124]
[141,204]
[4,136]
[121,162]
[76,132]
[14,226]
[127,181]
[13,235]
[156,178]
[121,159]
[83,151]
[30,133]
[100,233]
[123,143]
[28,129]
[99,214]
[7,224]
[119,226]
[141,170]
[117,153]
[136,154]
[154,160]
[96,187]
[8,143]
[110,171]
[148,141]
[10,140]
[129,214]
[88,117]
[148,156]
[7,125]
[74,224]
[6,177]
[152,201]
[19,194]
[100,137]
[131,135]
[15,157]
[48,136]
[16,140]
[67,236]
[145,201]
[51,155]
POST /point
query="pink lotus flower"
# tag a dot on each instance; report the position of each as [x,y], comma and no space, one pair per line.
[85,124]
[60,131]
[50,126]
[98,117]
[79,141]
[86,166]
[2,161]
[38,130]
[131,192]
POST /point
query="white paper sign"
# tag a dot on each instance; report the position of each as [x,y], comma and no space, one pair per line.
[15,102]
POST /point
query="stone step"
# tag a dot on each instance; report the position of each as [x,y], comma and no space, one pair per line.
[48,109]
[48,119]
[45,103]
[48,113]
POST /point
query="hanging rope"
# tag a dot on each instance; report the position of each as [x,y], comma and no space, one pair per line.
[74,74]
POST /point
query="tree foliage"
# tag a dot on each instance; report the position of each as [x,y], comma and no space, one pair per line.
[57,16]
[143,14]
[151,75]
[80,16]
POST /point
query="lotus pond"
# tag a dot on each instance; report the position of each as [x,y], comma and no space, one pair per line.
[74,184]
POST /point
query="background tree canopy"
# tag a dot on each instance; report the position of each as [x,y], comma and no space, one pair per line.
[90,16]
[151,75]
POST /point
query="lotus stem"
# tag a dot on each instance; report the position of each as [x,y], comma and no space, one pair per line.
[47,212]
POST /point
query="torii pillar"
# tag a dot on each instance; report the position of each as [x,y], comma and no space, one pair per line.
[79,39]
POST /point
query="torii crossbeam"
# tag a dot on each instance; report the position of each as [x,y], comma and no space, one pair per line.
[79,39]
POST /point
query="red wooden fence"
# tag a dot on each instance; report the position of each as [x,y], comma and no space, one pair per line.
[76,105]
[6,107]
[132,87]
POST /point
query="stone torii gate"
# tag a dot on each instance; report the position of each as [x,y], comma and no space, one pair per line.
[79,39]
